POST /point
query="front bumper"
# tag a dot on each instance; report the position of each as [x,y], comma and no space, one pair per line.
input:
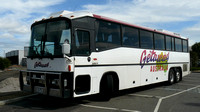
[34,78]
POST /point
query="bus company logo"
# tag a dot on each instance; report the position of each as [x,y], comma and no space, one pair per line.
[160,59]
[39,64]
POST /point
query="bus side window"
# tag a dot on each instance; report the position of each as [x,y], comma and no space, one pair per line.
[159,41]
[168,43]
[82,42]
[185,46]
[108,35]
[130,37]
[178,44]
[146,39]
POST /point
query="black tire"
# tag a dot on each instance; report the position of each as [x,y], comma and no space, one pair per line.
[171,77]
[106,87]
[178,76]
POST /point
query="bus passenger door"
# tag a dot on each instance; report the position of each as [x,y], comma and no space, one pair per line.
[82,70]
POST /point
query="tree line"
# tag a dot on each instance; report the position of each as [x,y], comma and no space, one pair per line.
[195,55]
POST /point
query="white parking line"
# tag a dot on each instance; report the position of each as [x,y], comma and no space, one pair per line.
[109,108]
[181,92]
[170,89]
[160,100]
[147,96]
[158,105]
[126,110]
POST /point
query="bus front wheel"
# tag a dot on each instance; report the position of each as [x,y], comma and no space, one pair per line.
[106,87]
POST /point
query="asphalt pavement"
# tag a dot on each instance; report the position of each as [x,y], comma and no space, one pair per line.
[180,97]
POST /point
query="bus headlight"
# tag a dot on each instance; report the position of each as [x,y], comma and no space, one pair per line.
[43,77]
[54,82]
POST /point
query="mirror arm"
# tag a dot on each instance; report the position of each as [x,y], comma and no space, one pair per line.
[68,59]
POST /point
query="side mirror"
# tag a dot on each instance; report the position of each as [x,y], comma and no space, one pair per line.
[66,48]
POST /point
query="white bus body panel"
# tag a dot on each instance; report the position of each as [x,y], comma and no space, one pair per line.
[126,63]
[47,64]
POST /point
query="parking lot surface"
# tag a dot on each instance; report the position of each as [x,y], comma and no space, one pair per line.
[180,97]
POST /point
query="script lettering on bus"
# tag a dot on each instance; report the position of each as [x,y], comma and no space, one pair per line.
[160,59]
[39,64]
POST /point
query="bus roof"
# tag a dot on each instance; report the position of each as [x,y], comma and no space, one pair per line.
[79,14]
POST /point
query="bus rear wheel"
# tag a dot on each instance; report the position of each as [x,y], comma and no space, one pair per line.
[171,77]
[178,75]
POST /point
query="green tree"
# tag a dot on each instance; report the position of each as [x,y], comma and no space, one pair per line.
[196,48]
[194,58]
[1,64]
[4,63]
[195,54]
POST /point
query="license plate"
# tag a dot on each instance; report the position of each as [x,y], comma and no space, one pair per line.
[39,90]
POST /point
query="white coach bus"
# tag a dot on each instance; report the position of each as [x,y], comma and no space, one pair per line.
[73,54]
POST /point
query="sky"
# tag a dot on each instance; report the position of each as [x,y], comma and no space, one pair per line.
[180,16]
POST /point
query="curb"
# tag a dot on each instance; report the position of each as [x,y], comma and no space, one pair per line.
[4,102]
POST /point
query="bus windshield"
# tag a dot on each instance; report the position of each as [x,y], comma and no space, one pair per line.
[47,39]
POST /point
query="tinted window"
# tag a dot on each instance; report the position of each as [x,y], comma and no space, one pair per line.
[173,48]
[178,44]
[56,34]
[185,46]
[168,43]
[130,37]
[108,35]
[82,40]
[47,38]
[159,41]
[146,39]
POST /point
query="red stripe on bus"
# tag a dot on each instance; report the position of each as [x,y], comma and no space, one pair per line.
[124,23]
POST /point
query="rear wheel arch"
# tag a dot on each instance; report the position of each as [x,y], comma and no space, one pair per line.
[115,79]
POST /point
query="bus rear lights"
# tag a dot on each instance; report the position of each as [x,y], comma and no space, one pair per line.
[94,61]
[69,68]
[65,82]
